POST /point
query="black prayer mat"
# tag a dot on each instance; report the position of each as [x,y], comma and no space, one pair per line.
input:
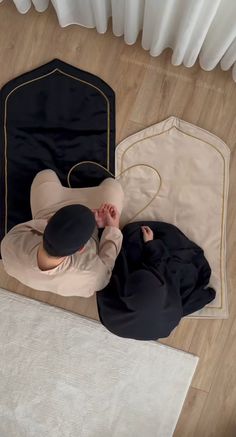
[54,117]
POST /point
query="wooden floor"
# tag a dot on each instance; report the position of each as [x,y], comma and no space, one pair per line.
[148,90]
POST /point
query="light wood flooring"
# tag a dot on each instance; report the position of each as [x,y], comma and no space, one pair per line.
[148,90]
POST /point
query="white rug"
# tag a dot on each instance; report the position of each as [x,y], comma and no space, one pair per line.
[176,172]
[63,375]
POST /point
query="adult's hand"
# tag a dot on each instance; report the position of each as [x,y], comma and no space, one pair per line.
[147,233]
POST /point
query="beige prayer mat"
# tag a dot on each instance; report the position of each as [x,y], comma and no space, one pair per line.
[63,375]
[176,172]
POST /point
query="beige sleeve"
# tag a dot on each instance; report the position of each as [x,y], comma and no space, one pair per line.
[110,245]
[108,250]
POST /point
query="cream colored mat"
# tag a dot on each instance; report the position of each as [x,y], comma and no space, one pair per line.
[179,173]
[62,375]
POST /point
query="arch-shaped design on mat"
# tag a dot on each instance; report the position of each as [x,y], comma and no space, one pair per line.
[52,117]
[194,169]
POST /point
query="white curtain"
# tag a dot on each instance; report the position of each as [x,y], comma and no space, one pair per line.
[192,28]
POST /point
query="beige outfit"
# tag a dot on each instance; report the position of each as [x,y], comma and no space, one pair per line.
[81,274]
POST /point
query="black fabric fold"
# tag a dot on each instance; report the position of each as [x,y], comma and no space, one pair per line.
[154,284]
[55,116]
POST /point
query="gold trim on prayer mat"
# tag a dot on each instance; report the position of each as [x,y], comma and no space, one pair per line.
[5,127]
[193,165]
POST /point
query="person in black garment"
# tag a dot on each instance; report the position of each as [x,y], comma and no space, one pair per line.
[159,277]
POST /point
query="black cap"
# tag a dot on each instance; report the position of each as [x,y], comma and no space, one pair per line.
[68,230]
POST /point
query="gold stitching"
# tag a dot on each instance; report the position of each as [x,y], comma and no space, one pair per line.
[124,171]
[223,205]
[157,191]
[108,113]
[5,130]
[122,157]
[85,162]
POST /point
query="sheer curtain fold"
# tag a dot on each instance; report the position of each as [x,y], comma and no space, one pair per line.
[191,28]
[24,5]
[220,36]
[127,18]
[75,12]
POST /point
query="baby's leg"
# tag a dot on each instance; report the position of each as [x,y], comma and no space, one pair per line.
[48,195]
[112,192]
[46,190]
[109,191]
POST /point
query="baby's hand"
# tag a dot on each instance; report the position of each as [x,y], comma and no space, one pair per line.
[114,219]
[99,217]
[147,233]
[111,215]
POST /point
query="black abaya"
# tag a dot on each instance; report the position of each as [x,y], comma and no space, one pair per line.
[154,284]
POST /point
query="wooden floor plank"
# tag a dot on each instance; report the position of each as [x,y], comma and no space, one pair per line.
[192,410]
[218,418]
